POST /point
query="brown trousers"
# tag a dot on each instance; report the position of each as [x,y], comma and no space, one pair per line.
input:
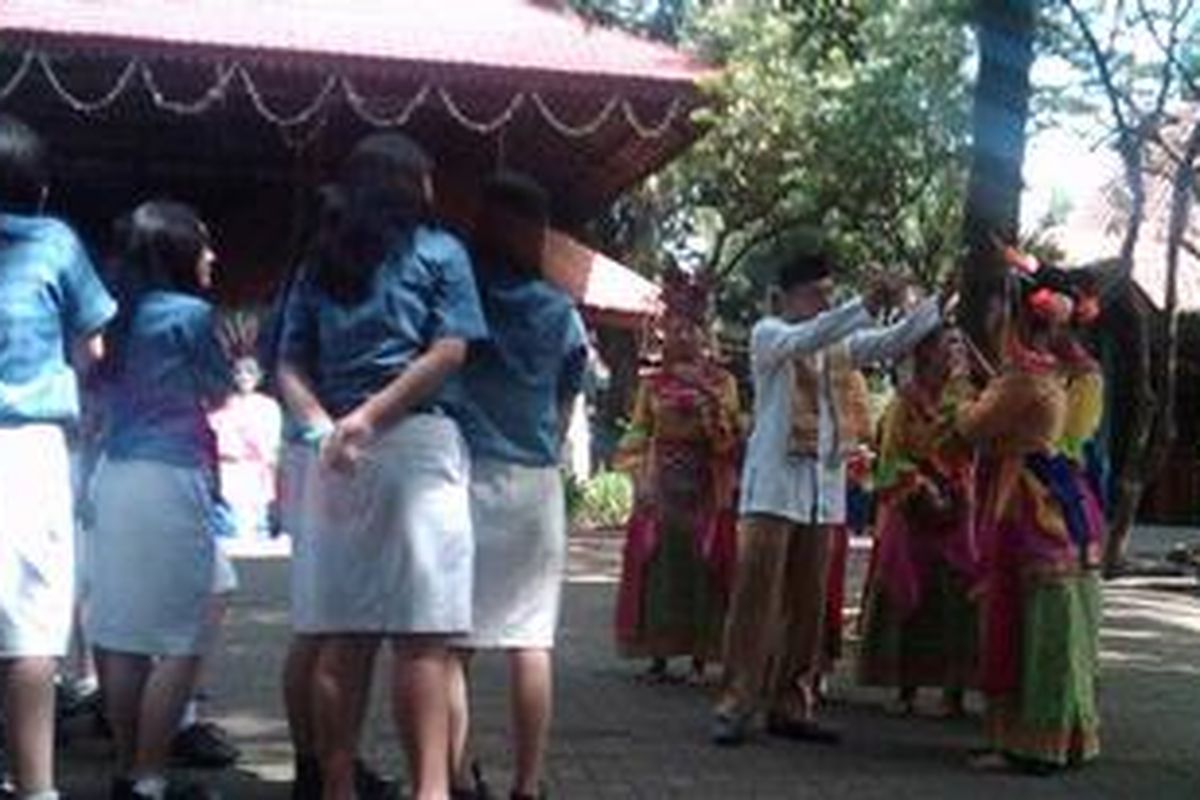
[776,618]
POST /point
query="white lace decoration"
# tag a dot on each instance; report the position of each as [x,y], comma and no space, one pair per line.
[378,113]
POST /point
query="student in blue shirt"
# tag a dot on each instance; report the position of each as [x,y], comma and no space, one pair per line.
[379,320]
[514,403]
[151,553]
[51,304]
[299,671]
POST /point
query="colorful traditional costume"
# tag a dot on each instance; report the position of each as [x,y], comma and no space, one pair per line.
[858,468]
[1040,543]
[919,625]
[682,448]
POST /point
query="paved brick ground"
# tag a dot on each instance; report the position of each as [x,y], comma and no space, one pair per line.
[618,738]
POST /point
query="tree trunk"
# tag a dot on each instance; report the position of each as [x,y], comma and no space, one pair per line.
[1155,423]
[1182,194]
[1130,318]
[1006,32]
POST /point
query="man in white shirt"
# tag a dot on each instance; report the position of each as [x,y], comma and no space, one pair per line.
[794,489]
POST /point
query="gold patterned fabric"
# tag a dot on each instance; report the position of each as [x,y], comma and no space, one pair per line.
[850,407]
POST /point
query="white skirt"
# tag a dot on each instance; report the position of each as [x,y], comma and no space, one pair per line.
[37,542]
[152,559]
[388,550]
[294,462]
[519,517]
[225,577]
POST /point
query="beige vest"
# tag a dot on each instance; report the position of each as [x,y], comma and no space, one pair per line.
[850,410]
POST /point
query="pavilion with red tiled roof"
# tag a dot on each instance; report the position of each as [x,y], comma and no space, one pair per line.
[241,107]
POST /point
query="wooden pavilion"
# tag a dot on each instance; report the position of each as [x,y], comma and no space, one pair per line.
[242,108]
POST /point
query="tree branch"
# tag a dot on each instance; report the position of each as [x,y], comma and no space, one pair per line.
[1128,144]
[1102,66]
[753,241]
[1170,48]
[1191,248]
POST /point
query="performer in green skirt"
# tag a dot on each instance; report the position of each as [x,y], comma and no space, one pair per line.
[1040,528]
[919,623]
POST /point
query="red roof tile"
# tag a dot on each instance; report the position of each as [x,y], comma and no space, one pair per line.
[534,35]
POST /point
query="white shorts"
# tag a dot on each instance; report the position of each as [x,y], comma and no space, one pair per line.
[37,542]
[387,550]
[519,518]
[152,557]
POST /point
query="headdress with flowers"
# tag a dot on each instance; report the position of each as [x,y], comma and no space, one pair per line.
[1051,293]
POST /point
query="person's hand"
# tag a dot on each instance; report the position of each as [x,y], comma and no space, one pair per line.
[884,291]
[948,301]
[643,490]
[958,357]
[343,449]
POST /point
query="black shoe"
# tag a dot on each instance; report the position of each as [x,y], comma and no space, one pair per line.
[204,745]
[370,785]
[121,789]
[71,701]
[541,795]
[479,790]
[801,730]
[306,784]
[730,729]
[190,791]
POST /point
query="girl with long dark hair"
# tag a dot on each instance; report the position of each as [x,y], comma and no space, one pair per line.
[378,321]
[152,551]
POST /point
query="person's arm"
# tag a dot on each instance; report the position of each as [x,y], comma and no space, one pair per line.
[211,365]
[774,341]
[458,320]
[297,349]
[382,410]
[571,376]
[300,399]
[87,353]
[87,305]
[891,342]
[993,414]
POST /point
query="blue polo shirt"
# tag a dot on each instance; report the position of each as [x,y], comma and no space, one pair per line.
[507,397]
[173,370]
[422,292]
[50,296]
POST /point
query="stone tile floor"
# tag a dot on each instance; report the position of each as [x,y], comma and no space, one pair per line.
[618,738]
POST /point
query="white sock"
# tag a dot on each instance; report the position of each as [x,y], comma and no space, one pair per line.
[191,714]
[87,684]
[151,787]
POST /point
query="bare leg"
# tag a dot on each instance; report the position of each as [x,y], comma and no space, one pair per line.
[532,692]
[218,610]
[81,666]
[123,678]
[458,678]
[299,672]
[341,689]
[421,705]
[28,684]
[164,697]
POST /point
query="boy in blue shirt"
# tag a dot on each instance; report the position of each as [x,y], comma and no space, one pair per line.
[51,304]
[516,394]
